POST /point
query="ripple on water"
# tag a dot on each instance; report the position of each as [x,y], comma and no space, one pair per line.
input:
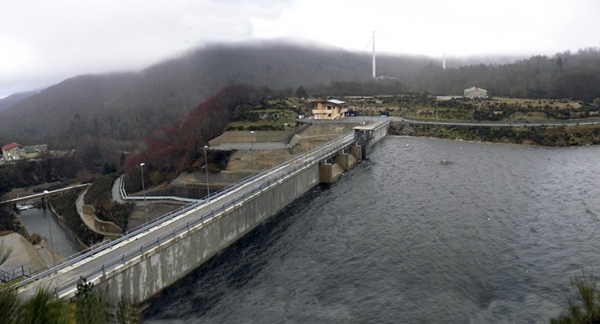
[493,237]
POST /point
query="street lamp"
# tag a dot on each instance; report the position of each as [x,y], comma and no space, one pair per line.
[252,152]
[144,191]
[49,228]
[285,134]
[206,169]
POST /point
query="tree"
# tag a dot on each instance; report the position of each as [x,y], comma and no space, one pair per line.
[586,306]
[301,92]
[91,307]
[43,307]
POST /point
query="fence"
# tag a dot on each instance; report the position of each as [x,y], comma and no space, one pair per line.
[303,162]
[16,273]
[126,197]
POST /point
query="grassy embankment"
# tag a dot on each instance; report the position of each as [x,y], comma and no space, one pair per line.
[425,107]
[542,135]
[65,206]
[274,113]
[271,115]
[98,195]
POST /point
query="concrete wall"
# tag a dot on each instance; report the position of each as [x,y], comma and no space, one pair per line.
[330,173]
[346,160]
[377,134]
[160,267]
[97,225]
[62,223]
[247,137]
[175,256]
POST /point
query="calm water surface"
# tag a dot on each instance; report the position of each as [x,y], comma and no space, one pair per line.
[493,237]
[37,220]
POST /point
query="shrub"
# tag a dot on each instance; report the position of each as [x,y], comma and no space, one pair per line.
[34,238]
[585,308]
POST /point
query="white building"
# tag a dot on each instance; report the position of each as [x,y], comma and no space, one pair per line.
[474,92]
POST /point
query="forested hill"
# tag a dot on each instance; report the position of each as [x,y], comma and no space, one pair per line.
[14,98]
[125,106]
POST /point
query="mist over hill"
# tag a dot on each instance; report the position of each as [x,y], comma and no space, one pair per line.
[126,106]
[14,98]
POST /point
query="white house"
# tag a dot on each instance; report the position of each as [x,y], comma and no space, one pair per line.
[474,92]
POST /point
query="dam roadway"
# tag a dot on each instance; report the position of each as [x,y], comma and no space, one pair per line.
[109,260]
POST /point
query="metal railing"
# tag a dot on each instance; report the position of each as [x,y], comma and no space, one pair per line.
[16,273]
[306,160]
[126,197]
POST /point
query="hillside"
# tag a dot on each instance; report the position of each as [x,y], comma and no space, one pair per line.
[123,107]
[14,98]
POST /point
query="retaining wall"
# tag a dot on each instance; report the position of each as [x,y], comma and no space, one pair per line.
[97,225]
[144,276]
[247,137]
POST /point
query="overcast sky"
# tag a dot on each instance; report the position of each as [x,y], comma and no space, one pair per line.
[43,42]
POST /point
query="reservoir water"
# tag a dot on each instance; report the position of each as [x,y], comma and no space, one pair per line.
[37,220]
[493,237]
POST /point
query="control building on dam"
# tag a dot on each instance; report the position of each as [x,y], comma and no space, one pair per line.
[141,264]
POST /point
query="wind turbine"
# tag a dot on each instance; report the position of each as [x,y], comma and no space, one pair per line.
[444,61]
[374,66]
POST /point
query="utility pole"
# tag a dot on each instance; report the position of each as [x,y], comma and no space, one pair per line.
[144,192]
[252,152]
[206,169]
[49,227]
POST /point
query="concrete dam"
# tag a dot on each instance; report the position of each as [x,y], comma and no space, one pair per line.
[142,263]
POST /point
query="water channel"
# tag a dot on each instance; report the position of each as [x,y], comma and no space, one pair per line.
[492,237]
[37,220]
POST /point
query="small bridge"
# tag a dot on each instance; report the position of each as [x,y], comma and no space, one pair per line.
[42,195]
[142,263]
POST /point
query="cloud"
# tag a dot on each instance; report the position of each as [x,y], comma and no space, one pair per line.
[45,41]
[54,40]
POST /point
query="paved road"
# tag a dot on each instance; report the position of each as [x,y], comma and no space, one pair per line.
[64,277]
[482,124]
[116,190]
[252,146]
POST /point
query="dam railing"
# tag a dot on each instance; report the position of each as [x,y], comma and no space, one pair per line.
[303,161]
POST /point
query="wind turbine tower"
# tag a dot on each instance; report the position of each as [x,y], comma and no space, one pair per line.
[444,61]
[374,69]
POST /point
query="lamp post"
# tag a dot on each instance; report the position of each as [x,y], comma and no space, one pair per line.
[285,137]
[206,170]
[144,191]
[309,135]
[49,228]
[252,152]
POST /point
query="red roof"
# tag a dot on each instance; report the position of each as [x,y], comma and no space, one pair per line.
[10,146]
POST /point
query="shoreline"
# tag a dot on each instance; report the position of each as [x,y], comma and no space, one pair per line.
[548,136]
